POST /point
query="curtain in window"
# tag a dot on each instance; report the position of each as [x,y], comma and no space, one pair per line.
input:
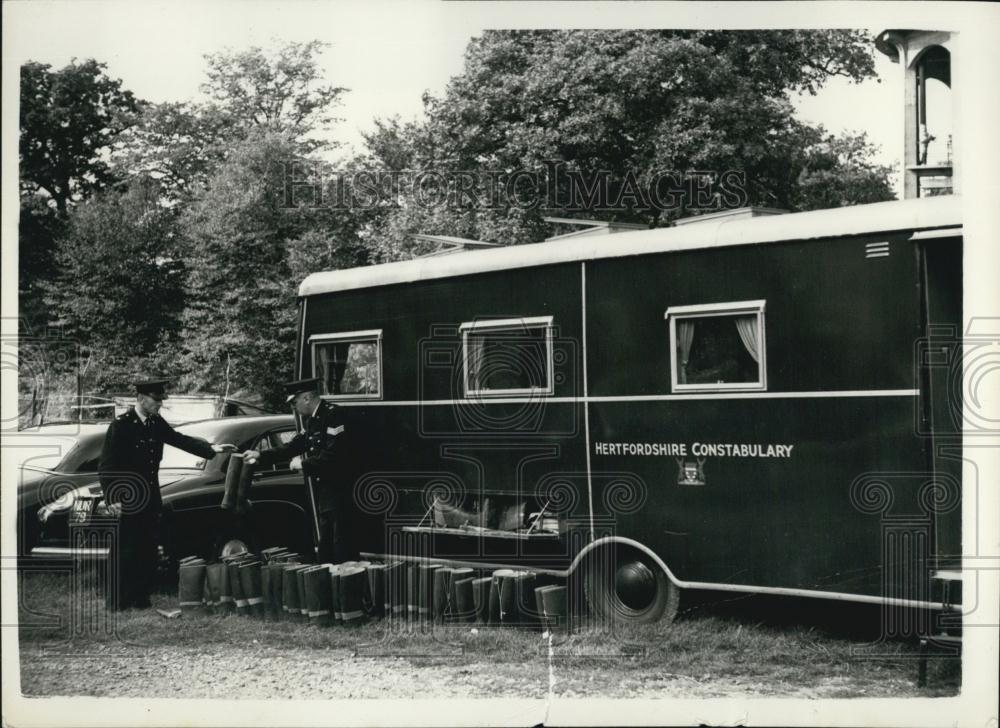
[322,367]
[474,360]
[747,328]
[332,368]
[340,352]
[685,335]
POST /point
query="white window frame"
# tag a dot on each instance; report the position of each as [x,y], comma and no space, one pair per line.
[511,324]
[734,308]
[365,336]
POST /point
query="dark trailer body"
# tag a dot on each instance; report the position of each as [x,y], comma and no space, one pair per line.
[741,404]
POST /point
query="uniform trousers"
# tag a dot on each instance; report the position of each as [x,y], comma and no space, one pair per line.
[335,542]
[133,561]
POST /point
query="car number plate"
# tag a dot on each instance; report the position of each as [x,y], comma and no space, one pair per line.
[82,508]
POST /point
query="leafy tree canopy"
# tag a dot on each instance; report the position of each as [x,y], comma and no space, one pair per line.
[118,286]
[247,250]
[69,119]
[279,92]
[630,105]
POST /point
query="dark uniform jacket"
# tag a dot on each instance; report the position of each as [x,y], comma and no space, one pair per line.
[322,444]
[130,460]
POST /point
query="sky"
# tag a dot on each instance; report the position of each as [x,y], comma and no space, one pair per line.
[387,53]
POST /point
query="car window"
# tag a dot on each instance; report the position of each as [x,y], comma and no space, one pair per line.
[273,439]
[88,466]
[282,437]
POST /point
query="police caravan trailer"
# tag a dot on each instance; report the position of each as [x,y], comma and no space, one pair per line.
[752,403]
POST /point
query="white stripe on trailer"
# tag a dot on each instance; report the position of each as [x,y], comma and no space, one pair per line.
[706,585]
[818,394]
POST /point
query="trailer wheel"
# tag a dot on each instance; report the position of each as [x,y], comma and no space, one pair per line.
[626,585]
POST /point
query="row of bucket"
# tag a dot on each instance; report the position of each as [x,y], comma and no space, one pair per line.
[278,585]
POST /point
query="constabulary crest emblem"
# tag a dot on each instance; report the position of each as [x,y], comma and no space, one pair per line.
[691,473]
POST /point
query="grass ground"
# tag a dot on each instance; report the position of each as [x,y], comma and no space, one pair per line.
[718,646]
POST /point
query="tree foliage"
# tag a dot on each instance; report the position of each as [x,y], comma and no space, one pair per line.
[239,323]
[119,286]
[247,250]
[176,144]
[69,119]
[629,105]
[279,92]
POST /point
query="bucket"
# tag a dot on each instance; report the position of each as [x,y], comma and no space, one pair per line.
[425,585]
[353,593]
[191,588]
[553,607]
[456,575]
[250,582]
[481,598]
[440,593]
[376,574]
[465,605]
[318,596]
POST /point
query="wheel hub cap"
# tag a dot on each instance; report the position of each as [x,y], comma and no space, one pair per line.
[635,585]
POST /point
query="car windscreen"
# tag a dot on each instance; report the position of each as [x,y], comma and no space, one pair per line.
[56,455]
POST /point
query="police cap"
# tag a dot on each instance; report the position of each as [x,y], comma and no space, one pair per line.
[292,389]
[153,387]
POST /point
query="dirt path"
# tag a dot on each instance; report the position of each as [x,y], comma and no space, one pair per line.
[267,672]
[256,672]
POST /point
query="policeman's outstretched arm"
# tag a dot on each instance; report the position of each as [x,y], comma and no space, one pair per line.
[193,445]
[294,447]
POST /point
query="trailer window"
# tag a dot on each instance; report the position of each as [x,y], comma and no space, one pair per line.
[507,357]
[717,347]
[349,364]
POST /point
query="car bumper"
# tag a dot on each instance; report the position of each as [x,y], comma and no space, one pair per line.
[66,553]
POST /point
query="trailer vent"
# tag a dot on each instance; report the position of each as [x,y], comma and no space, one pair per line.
[877,250]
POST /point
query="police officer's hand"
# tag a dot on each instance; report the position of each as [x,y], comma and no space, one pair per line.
[226,447]
[296,463]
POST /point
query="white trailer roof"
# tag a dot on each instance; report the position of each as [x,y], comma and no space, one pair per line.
[916,214]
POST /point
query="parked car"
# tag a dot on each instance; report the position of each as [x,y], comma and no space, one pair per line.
[192,489]
[59,459]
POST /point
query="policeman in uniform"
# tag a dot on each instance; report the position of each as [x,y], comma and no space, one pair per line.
[129,465]
[316,450]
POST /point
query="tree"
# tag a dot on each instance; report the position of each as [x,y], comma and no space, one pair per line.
[239,325]
[837,172]
[39,228]
[119,285]
[618,110]
[249,238]
[278,92]
[69,119]
[177,144]
[181,145]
